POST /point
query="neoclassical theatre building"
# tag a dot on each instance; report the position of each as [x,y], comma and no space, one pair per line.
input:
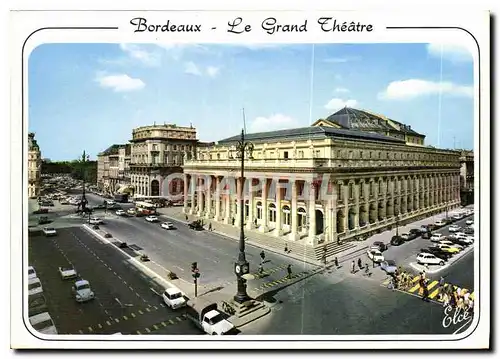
[341,179]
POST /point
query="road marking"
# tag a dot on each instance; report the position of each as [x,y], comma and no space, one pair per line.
[163,323]
[414,288]
[99,325]
[90,329]
[147,309]
[80,331]
[114,273]
[125,317]
[171,321]
[132,315]
[155,307]
[119,277]
[178,319]
[163,305]
[432,285]
[108,322]
[131,288]
[141,312]
[147,330]
[117,320]
[138,332]
[156,327]
[137,294]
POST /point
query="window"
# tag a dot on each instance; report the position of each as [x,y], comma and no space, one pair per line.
[350,155]
[372,188]
[379,155]
[351,191]
[285,154]
[175,147]
[370,154]
[380,187]
[361,154]
[301,154]
[218,156]
[317,153]
[339,191]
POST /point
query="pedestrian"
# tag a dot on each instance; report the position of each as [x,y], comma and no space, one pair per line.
[441,281]
[466,300]
[262,256]
[336,261]
[426,267]
[459,292]
[446,299]
[187,218]
[367,269]
[261,268]
[289,271]
[359,263]
[425,296]
[210,226]
[233,220]
[286,248]
[353,267]
[255,222]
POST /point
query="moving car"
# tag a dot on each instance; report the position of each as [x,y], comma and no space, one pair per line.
[440,223]
[120,212]
[416,232]
[95,220]
[34,286]
[436,237]
[469,222]
[206,316]
[388,266]
[457,216]
[49,231]
[381,246]
[43,220]
[454,228]
[397,241]
[81,291]
[43,323]
[152,219]
[31,272]
[167,225]
[427,258]
[67,273]
[131,211]
[196,225]
[409,236]
[375,255]
[174,298]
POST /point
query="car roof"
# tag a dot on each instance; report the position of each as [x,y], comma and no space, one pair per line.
[212,314]
[390,261]
[173,290]
[81,282]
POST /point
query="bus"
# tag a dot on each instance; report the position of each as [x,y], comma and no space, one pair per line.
[145,207]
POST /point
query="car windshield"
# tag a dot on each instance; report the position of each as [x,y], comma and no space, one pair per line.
[175,295]
[83,286]
[391,263]
[49,229]
[31,271]
[45,324]
[34,285]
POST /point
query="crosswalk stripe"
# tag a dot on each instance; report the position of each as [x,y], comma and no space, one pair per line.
[156,327]
[386,282]
[472,296]
[434,293]
[414,280]
[433,284]
[147,330]
[138,332]
[171,321]
[414,288]
[164,324]
[132,315]
[178,319]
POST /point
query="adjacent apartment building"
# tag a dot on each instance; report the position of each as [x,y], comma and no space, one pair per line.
[34,166]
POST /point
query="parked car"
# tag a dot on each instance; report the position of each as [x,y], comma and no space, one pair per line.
[67,273]
[31,272]
[416,231]
[451,244]
[82,291]
[461,241]
[174,298]
[469,230]
[388,266]
[167,225]
[43,323]
[131,211]
[440,223]
[152,219]
[427,258]
[469,222]
[448,248]
[454,228]
[196,225]
[436,237]
[397,241]
[437,252]
[375,255]
[95,220]
[427,235]
[41,211]
[49,231]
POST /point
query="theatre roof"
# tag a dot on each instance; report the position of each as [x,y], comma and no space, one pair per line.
[313,132]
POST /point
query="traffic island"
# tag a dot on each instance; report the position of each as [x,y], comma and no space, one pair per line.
[247,312]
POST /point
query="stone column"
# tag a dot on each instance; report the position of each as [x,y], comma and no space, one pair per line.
[263,222]
[200,196]
[356,205]
[186,187]
[239,197]
[327,229]
[217,198]
[208,186]
[312,214]
[293,236]
[227,208]
[345,195]
[193,189]
[250,218]
[417,191]
[333,219]
[278,231]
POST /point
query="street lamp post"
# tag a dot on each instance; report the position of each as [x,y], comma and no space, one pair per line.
[85,158]
[397,225]
[242,267]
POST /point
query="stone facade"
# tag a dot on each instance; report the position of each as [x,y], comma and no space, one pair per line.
[113,168]
[156,152]
[467,176]
[321,183]
[34,167]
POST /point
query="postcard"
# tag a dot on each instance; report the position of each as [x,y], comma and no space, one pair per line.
[250,179]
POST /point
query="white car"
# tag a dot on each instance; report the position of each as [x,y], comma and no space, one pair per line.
[95,220]
[440,223]
[427,258]
[110,203]
[436,237]
[167,225]
[34,286]
[43,323]
[454,228]
[49,231]
[451,244]
[131,211]
[457,216]
[82,292]
[67,273]
[174,298]
[152,219]
[31,272]
[375,255]
[469,222]
[120,212]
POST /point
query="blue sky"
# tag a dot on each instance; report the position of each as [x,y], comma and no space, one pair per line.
[89,96]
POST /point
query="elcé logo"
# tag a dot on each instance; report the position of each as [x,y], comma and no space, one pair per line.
[454,316]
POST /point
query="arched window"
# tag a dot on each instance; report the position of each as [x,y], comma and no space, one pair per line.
[259,210]
[286,215]
[272,212]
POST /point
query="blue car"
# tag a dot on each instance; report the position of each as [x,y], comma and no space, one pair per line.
[389,266]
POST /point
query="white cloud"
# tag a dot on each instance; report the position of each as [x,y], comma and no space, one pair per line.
[408,89]
[191,68]
[213,71]
[136,52]
[453,52]
[271,123]
[120,83]
[341,89]
[338,103]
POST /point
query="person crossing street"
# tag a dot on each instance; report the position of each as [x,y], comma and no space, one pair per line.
[262,256]
[359,263]
[289,271]
[353,267]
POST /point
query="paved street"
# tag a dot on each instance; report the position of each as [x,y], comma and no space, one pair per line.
[124,300]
